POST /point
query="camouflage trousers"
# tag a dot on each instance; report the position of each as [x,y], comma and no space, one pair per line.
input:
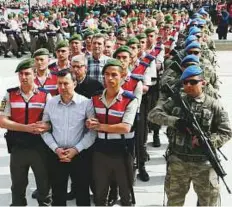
[179,176]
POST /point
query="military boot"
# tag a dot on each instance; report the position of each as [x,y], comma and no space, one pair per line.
[143,175]
[156,139]
[113,194]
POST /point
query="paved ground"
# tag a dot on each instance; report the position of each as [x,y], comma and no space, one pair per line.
[147,194]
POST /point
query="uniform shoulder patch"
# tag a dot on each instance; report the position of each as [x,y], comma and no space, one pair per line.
[43,90]
[137,77]
[12,89]
[3,104]
[128,95]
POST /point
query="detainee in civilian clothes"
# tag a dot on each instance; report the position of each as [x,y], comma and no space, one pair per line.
[68,140]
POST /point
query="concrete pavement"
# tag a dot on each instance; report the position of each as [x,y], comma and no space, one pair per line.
[149,193]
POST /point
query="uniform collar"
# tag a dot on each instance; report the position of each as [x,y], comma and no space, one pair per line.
[35,90]
[73,100]
[118,97]
[198,99]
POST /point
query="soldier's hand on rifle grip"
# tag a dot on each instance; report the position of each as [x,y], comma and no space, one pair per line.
[182,125]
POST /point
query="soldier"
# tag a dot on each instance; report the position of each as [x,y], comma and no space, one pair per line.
[44,78]
[75,43]
[62,53]
[187,161]
[114,146]
[22,110]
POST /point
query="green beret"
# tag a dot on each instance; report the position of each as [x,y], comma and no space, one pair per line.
[122,49]
[111,62]
[25,64]
[86,14]
[133,19]
[88,33]
[168,18]
[120,31]
[104,15]
[41,51]
[123,13]
[136,11]
[149,30]
[75,37]
[132,41]
[62,43]
[141,36]
[10,16]
[122,26]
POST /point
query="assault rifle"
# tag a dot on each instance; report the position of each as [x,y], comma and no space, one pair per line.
[209,150]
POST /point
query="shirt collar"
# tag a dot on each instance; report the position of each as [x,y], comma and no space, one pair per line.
[35,90]
[73,100]
[118,97]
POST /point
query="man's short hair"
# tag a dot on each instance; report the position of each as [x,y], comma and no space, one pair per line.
[122,38]
[63,73]
[79,58]
[98,36]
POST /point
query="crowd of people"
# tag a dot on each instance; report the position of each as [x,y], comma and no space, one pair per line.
[87,114]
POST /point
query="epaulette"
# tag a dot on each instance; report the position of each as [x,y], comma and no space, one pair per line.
[52,65]
[96,93]
[12,89]
[172,39]
[137,77]
[43,90]
[128,95]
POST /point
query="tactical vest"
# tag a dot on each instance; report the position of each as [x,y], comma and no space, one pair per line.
[26,113]
[113,142]
[50,84]
[181,143]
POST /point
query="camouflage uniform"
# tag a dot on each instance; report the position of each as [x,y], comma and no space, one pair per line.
[187,162]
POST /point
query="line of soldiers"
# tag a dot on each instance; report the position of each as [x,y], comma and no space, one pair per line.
[126,76]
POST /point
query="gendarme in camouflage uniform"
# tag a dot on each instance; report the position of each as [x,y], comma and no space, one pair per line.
[187,161]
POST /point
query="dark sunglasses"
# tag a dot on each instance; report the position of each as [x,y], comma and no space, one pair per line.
[193,52]
[198,36]
[192,82]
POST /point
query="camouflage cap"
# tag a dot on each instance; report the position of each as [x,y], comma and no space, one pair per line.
[41,51]
[111,62]
[25,64]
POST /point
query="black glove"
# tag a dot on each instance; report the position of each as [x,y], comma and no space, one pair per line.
[182,125]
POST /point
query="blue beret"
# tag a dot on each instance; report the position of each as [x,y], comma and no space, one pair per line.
[194,30]
[194,22]
[201,22]
[202,11]
[193,45]
[190,39]
[190,59]
[190,71]
[196,15]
